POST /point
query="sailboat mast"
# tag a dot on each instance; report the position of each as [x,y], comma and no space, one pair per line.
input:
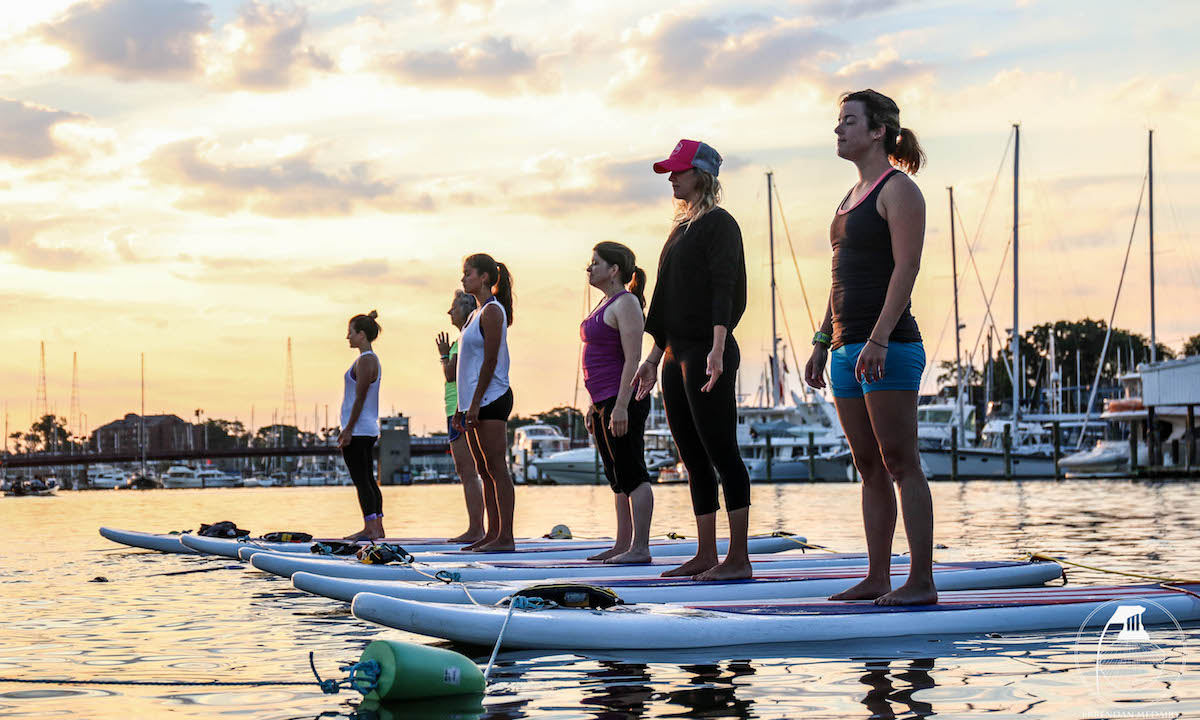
[1018,377]
[776,384]
[958,405]
[142,434]
[1150,172]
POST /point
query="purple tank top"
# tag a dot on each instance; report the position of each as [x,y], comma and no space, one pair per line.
[603,355]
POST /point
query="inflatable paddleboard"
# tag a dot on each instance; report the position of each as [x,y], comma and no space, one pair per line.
[162,542]
[716,624]
[287,564]
[768,584]
[421,547]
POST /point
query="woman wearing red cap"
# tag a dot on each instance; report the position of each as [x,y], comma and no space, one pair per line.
[872,342]
[698,299]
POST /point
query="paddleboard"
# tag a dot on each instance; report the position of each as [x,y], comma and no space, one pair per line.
[287,564]
[162,542]
[768,584]
[422,547]
[716,624]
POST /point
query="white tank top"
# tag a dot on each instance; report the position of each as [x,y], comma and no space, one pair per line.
[470,360]
[368,418]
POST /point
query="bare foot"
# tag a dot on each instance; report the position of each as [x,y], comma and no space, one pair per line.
[632,556]
[360,535]
[868,589]
[910,593]
[727,570]
[611,552]
[697,564]
[467,537]
[497,546]
[477,544]
[376,534]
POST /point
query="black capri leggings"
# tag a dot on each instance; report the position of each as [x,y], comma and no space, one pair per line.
[360,461]
[624,457]
[704,424]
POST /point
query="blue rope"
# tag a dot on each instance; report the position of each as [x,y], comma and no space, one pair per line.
[368,681]
[448,577]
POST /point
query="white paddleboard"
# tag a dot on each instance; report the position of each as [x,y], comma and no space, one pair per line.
[768,584]
[715,624]
[541,548]
[288,564]
[162,542]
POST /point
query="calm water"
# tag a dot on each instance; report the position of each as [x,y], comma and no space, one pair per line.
[180,618]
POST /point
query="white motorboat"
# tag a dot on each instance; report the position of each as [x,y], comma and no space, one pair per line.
[180,476]
[212,477]
[530,444]
[106,477]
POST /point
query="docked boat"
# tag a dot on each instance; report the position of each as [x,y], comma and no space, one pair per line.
[106,477]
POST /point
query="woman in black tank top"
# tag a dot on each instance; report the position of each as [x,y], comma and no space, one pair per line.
[877,355]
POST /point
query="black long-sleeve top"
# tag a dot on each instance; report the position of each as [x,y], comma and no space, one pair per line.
[701,281]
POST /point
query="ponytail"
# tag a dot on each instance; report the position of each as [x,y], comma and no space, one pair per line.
[907,153]
[638,286]
[503,290]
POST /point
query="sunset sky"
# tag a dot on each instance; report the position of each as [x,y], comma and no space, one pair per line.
[199,181]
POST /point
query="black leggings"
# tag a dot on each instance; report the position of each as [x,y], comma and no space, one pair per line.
[704,424]
[360,461]
[624,458]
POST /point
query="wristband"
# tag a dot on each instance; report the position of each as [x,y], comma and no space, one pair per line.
[873,340]
[822,338]
[445,358]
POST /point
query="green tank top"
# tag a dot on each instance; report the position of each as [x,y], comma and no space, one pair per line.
[452,387]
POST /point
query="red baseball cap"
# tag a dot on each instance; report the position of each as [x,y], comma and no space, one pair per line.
[690,154]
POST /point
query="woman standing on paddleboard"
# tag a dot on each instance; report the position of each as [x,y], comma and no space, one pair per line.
[464,465]
[877,354]
[612,344]
[485,399]
[698,299]
[360,423]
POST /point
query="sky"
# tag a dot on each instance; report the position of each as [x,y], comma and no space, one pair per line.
[201,181]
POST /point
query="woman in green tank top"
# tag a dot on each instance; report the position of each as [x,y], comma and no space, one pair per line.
[464,464]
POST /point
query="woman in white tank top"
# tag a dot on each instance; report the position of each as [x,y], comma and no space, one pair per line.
[360,423]
[484,397]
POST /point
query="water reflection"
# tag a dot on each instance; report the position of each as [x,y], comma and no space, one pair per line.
[883,693]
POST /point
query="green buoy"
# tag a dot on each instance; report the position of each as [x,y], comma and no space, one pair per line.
[409,671]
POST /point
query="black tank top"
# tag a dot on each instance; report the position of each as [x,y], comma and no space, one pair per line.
[862,268]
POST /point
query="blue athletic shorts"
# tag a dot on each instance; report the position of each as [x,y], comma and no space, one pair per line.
[451,433]
[901,369]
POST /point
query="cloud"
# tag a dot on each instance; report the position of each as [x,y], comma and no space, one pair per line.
[132,39]
[494,65]
[291,186]
[271,55]
[884,70]
[18,238]
[27,131]
[680,56]
[310,278]
[848,9]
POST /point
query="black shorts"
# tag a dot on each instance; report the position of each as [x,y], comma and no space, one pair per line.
[498,409]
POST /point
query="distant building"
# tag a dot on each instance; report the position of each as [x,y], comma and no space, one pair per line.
[163,432]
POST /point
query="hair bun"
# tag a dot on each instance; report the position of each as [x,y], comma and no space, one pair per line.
[372,314]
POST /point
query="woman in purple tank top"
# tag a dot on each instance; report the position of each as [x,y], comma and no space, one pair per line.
[612,344]
[877,356]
